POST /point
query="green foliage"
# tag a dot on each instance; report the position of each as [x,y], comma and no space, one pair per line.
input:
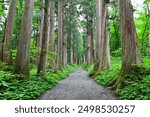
[13,51]
[139,89]
[117,53]
[142,23]
[85,66]
[137,83]
[90,69]
[51,56]
[107,76]
[13,88]
[5,67]
[2,13]
[114,27]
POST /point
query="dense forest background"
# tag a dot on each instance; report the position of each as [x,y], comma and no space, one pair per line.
[43,41]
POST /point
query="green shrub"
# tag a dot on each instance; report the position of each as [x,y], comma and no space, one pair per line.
[137,83]
[13,88]
[117,53]
[5,67]
[107,76]
[90,69]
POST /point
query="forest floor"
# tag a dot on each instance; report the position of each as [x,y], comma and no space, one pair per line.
[78,86]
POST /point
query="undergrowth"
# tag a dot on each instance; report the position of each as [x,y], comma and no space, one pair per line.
[13,88]
[136,85]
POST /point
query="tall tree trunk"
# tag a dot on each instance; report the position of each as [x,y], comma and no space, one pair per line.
[45,40]
[102,38]
[130,53]
[64,46]
[2,43]
[7,57]
[90,41]
[39,40]
[60,32]
[71,48]
[52,34]
[88,46]
[23,53]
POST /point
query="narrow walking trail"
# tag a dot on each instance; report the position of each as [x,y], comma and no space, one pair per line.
[78,86]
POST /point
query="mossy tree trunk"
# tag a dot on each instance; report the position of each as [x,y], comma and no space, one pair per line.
[130,50]
[39,40]
[52,35]
[7,56]
[45,40]
[64,45]
[22,60]
[60,35]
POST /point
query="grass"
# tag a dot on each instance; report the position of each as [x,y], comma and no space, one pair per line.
[13,88]
[137,83]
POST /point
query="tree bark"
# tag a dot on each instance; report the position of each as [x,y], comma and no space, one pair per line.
[45,40]
[2,43]
[71,48]
[39,40]
[102,57]
[90,41]
[131,53]
[7,57]
[60,32]
[52,35]
[130,49]
[23,53]
[64,46]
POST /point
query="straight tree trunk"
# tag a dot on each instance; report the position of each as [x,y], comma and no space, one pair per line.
[88,47]
[64,46]
[45,40]
[52,34]
[22,61]
[130,53]
[2,42]
[103,60]
[60,32]
[39,40]
[7,57]
[71,48]
[90,41]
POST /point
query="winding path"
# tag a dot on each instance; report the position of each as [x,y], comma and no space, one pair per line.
[78,86]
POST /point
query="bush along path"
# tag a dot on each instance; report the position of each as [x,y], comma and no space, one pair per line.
[12,87]
[78,86]
[136,85]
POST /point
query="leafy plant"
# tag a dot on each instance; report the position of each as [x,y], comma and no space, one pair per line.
[13,88]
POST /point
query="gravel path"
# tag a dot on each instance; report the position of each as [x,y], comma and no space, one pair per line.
[78,86]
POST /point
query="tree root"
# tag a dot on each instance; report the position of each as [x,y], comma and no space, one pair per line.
[118,82]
